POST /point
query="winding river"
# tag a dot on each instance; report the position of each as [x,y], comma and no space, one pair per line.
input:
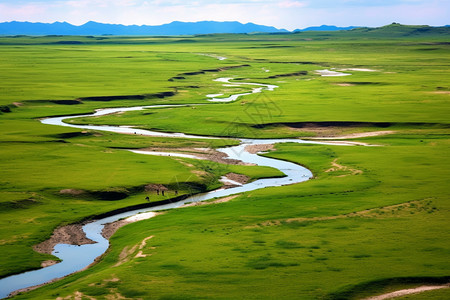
[75,258]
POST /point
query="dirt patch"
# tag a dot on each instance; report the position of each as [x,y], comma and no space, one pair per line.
[221,200]
[144,242]
[405,292]
[343,84]
[76,296]
[105,281]
[125,255]
[111,228]
[259,148]
[319,130]
[337,167]
[202,153]
[128,253]
[355,135]
[155,187]
[69,234]
[239,178]
[114,295]
[331,129]
[200,173]
[442,92]
[48,263]
[73,192]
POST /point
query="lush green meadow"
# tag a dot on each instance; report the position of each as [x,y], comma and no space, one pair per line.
[372,220]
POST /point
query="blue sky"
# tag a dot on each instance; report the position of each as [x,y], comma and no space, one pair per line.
[288,14]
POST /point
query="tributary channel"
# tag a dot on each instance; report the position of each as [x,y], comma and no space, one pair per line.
[75,258]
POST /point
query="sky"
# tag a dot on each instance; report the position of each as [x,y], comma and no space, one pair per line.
[287,14]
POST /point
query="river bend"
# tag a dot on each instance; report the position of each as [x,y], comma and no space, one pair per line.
[75,258]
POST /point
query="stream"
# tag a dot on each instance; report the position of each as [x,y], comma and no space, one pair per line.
[75,258]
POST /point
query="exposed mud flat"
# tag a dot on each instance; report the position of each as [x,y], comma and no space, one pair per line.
[111,228]
[236,178]
[69,234]
[259,148]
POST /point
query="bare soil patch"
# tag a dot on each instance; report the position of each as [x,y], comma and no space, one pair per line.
[338,167]
[405,292]
[69,234]
[202,153]
[111,228]
[48,263]
[128,253]
[331,129]
[242,179]
[442,92]
[354,135]
[73,192]
[259,148]
[78,296]
[343,84]
[155,187]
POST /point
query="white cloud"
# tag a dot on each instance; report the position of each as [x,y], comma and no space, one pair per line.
[291,3]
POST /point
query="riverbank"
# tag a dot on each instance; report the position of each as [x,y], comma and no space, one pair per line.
[95,230]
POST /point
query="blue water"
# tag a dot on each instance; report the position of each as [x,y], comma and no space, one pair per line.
[75,258]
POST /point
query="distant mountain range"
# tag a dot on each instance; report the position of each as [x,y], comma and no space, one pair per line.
[94,28]
[174,28]
[326,28]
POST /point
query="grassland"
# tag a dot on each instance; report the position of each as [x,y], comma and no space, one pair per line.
[325,238]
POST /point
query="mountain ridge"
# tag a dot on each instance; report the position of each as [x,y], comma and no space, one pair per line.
[326,28]
[185,28]
[96,28]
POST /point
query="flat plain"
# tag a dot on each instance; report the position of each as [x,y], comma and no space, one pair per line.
[373,219]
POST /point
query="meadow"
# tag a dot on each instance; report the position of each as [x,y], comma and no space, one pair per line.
[374,224]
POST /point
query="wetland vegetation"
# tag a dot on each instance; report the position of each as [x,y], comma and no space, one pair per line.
[372,220]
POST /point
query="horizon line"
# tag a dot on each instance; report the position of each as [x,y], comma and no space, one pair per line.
[92,21]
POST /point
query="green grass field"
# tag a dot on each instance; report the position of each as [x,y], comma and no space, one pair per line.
[375,224]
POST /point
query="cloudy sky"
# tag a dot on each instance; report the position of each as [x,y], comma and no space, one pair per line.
[288,14]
